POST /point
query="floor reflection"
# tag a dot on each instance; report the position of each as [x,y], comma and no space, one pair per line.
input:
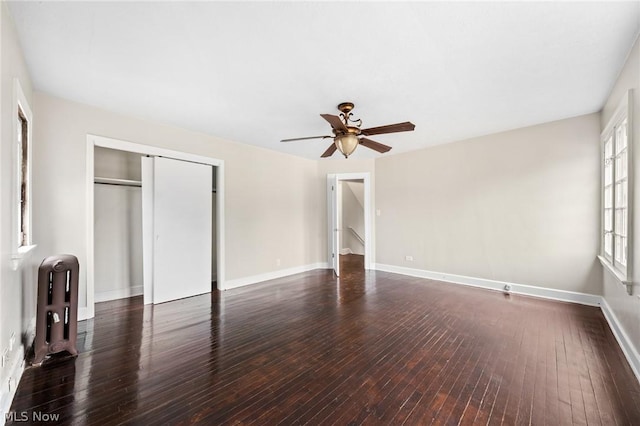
[116,360]
[351,284]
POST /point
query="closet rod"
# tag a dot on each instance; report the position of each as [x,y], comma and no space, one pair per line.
[117,182]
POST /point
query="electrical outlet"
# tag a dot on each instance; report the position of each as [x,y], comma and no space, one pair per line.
[277,262]
[378,212]
[408,258]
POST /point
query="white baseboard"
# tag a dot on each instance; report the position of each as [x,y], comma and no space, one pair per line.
[121,293]
[345,251]
[9,386]
[240,282]
[523,289]
[83,313]
[621,336]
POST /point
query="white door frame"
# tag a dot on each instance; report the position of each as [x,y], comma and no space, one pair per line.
[100,141]
[368,209]
[334,207]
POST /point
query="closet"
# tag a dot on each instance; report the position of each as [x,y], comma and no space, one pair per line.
[117,224]
[152,216]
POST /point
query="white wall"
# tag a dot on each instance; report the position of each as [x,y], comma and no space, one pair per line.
[520,206]
[17,286]
[118,226]
[352,216]
[272,208]
[627,308]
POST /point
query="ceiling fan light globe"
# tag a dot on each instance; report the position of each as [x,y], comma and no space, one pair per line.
[346,144]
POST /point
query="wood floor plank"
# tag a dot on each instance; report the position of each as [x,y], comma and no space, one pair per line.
[366,348]
[480,394]
[364,400]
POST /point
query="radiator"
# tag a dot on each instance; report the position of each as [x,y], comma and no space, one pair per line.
[57,316]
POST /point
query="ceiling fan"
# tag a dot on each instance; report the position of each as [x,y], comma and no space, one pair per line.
[347,134]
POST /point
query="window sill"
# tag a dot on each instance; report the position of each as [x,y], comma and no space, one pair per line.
[20,255]
[620,277]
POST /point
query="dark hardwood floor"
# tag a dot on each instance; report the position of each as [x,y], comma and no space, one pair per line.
[368,348]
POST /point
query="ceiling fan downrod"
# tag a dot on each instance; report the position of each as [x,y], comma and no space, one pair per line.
[346,114]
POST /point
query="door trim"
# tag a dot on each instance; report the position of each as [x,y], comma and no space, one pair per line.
[100,141]
[368,209]
[333,216]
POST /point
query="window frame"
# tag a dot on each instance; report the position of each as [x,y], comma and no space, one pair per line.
[622,272]
[23,220]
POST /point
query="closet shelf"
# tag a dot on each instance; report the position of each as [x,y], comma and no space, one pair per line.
[119,182]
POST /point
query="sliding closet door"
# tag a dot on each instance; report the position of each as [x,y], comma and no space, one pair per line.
[182,229]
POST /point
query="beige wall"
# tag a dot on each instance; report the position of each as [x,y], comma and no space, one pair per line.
[625,307]
[271,205]
[520,206]
[17,288]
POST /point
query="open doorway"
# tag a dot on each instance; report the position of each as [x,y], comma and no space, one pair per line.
[349,221]
[351,225]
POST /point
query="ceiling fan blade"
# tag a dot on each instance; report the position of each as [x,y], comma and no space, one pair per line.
[304,139]
[335,122]
[376,146]
[407,126]
[329,152]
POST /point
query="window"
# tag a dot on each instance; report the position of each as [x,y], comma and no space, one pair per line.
[616,169]
[23,154]
[23,137]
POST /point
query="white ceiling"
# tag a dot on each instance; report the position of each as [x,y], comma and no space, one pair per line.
[258,72]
